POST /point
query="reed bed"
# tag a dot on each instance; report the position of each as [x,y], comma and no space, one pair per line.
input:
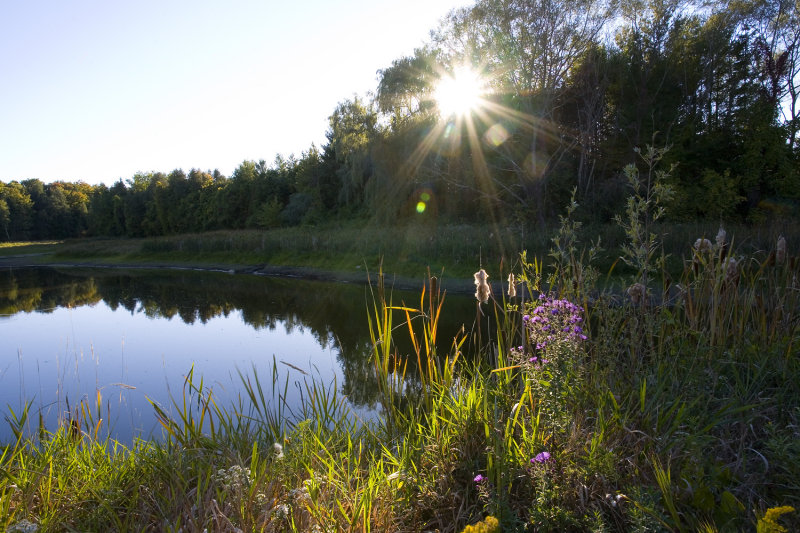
[405,249]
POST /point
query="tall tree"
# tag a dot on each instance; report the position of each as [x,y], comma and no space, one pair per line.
[353,125]
[18,222]
[528,48]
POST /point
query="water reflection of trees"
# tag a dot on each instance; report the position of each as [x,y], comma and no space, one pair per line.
[335,314]
[26,290]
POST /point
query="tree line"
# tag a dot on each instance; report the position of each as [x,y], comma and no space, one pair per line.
[574,89]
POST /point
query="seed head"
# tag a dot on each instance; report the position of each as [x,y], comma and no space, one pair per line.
[702,245]
[731,269]
[720,240]
[637,292]
[278,449]
[512,286]
[482,289]
[780,251]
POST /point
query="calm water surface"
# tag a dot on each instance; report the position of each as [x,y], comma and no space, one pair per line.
[66,334]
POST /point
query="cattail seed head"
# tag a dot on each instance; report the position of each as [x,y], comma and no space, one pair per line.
[720,239]
[512,286]
[702,245]
[637,293]
[780,251]
[731,269]
[482,289]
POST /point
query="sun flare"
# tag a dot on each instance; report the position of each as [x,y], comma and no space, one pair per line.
[460,93]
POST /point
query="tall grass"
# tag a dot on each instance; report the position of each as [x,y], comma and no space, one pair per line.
[568,406]
[405,250]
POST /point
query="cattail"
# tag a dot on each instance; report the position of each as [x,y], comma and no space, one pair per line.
[512,286]
[482,289]
[780,251]
[637,292]
[702,245]
[731,268]
[720,240]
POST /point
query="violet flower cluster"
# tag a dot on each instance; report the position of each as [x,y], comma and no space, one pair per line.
[554,321]
[541,457]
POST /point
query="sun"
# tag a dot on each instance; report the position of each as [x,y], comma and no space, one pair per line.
[459,93]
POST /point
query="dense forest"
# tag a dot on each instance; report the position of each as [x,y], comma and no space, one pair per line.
[575,91]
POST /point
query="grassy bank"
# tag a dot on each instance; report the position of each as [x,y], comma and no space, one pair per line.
[673,406]
[403,250]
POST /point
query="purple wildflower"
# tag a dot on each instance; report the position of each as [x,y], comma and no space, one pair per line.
[479,479]
[542,457]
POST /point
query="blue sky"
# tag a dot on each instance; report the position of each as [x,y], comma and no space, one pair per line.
[98,90]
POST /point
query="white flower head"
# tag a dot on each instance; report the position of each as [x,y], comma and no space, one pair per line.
[278,450]
[281,511]
[24,526]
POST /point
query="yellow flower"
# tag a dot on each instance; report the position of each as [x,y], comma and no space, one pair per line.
[768,523]
[489,524]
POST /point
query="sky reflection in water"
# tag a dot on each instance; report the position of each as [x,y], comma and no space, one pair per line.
[70,353]
[134,335]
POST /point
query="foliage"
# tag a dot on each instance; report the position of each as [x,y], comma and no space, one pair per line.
[573,87]
[645,206]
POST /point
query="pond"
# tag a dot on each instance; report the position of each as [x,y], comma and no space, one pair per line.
[117,340]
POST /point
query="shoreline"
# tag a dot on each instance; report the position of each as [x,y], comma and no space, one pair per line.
[453,285]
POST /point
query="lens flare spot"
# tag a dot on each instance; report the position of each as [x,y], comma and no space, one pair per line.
[535,164]
[496,135]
